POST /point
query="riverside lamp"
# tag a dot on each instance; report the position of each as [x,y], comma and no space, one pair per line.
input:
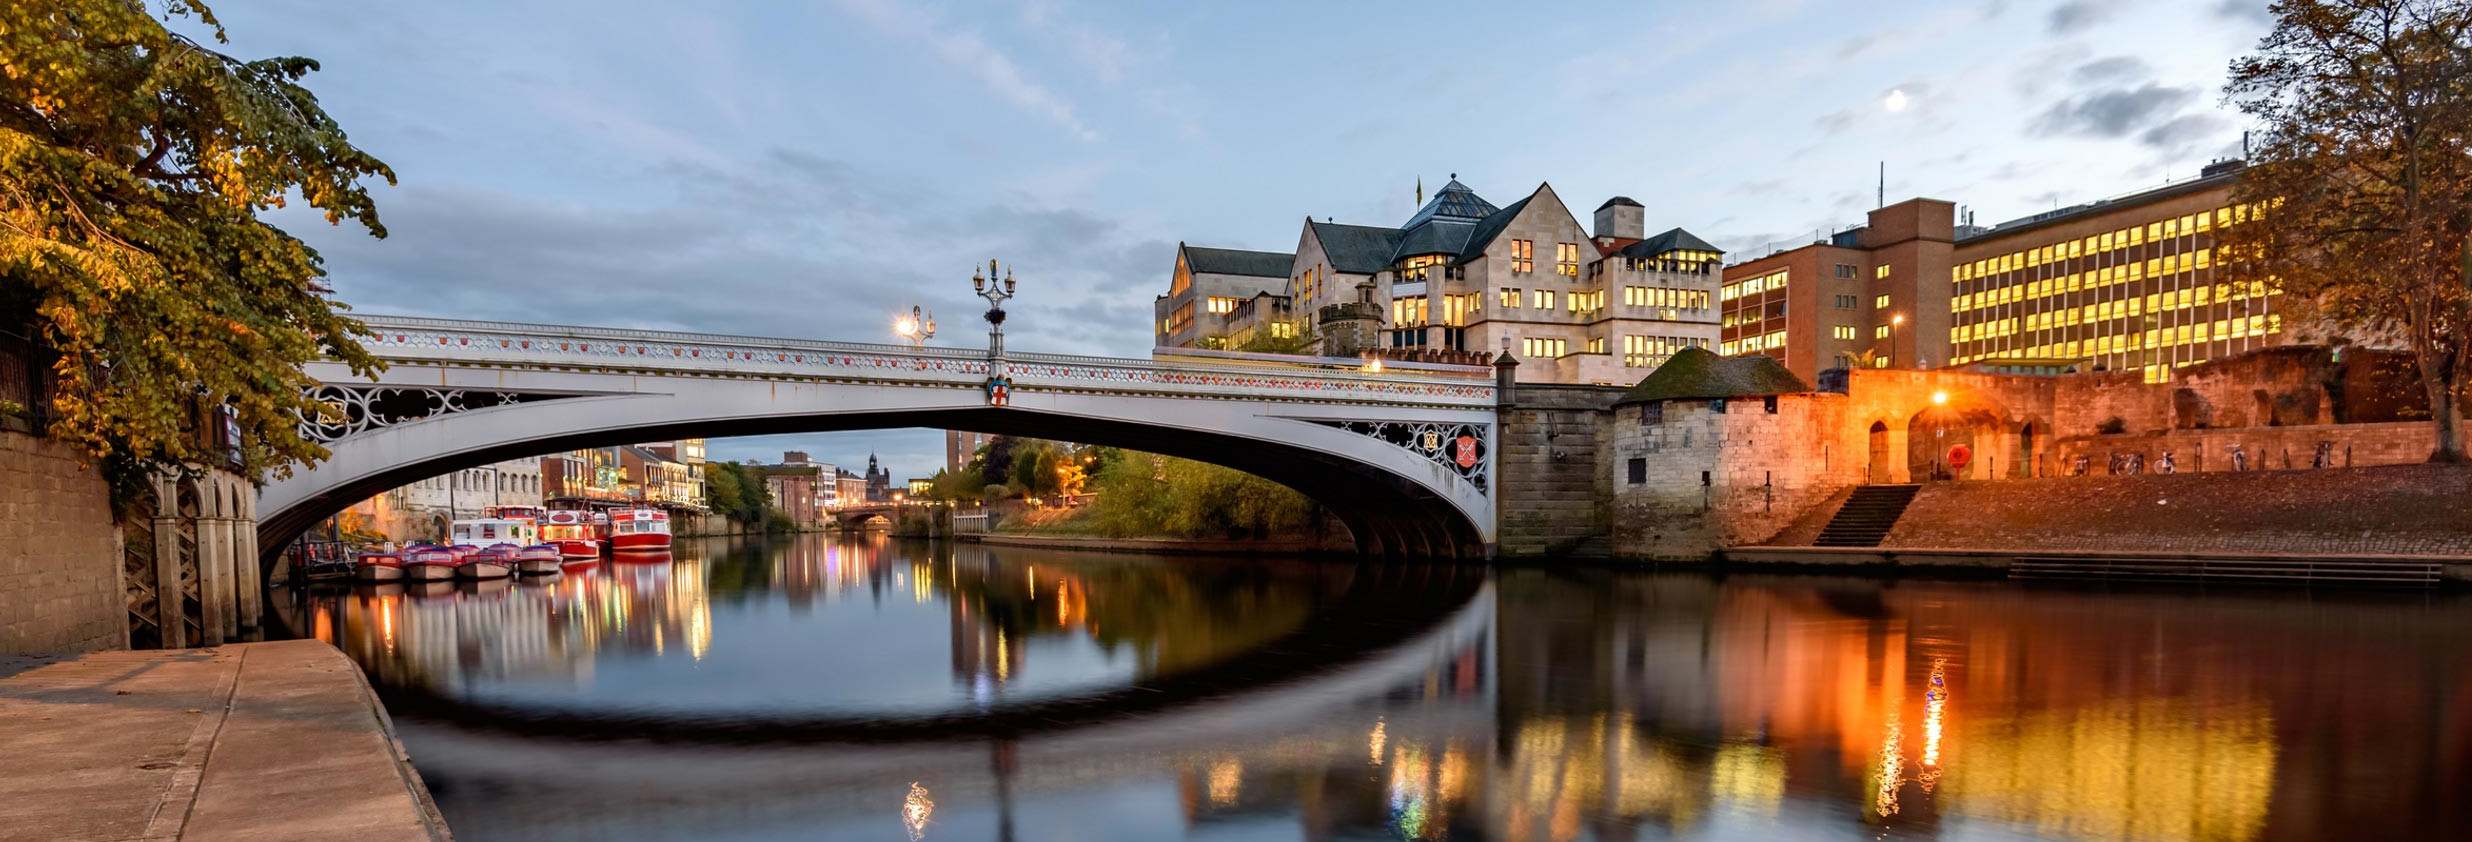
[916,327]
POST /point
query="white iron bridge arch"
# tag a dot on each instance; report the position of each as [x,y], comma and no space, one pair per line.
[1403,456]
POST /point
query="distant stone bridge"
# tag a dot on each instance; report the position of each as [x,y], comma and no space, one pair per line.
[1404,456]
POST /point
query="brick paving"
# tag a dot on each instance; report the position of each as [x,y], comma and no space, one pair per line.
[2391,510]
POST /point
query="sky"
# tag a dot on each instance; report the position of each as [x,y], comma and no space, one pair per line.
[809,169]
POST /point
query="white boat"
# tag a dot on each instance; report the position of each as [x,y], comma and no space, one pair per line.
[538,559]
[496,561]
[430,564]
[378,567]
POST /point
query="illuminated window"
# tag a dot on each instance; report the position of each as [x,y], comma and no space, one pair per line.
[1566,259]
[1523,255]
[1221,306]
[1535,348]
[1842,331]
[1510,298]
[1408,311]
[1542,299]
[1880,272]
[1879,302]
[1878,332]
[1596,344]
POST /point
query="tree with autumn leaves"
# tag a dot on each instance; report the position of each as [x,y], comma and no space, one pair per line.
[135,164]
[2364,180]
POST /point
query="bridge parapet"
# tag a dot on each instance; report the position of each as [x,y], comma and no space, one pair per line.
[456,342]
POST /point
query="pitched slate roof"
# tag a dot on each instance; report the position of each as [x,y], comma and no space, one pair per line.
[1624,201]
[1487,230]
[1453,201]
[1674,240]
[1356,249]
[1261,264]
[1699,374]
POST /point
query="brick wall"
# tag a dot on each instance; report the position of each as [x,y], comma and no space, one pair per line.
[59,552]
[1549,477]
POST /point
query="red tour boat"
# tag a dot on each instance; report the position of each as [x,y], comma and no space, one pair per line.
[572,533]
[639,530]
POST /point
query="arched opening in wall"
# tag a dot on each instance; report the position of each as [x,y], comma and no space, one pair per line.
[1957,437]
[1385,510]
[1880,468]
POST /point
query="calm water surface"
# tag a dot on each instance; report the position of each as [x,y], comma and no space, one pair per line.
[861,688]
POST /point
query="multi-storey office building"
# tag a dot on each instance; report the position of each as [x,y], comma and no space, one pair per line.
[1463,275]
[1208,285]
[2120,284]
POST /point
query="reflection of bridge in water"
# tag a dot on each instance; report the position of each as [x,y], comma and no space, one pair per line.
[1561,706]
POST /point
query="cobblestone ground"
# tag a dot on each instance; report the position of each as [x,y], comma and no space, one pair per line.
[2393,510]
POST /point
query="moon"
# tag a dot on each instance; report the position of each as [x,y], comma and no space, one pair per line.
[1896,100]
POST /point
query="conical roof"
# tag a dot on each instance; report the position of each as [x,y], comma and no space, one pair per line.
[1453,202]
[1699,374]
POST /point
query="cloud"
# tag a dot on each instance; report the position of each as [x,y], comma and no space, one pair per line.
[2111,69]
[2245,11]
[2183,131]
[2077,15]
[785,244]
[2112,113]
[968,52]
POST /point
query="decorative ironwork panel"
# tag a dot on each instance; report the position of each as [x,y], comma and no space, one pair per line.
[137,574]
[352,410]
[1462,448]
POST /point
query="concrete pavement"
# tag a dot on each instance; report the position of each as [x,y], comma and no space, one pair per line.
[256,741]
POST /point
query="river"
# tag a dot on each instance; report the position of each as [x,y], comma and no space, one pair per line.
[868,688]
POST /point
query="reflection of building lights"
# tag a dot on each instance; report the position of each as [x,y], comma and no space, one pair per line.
[1748,776]
[1374,743]
[1935,705]
[1226,780]
[386,622]
[916,808]
[1892,769]
[1004,657]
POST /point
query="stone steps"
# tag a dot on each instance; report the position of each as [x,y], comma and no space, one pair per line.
[1867,516]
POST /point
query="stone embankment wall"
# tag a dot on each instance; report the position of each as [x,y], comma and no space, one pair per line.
[2393,510]
[1549,480]
[2265,448]
[59,552]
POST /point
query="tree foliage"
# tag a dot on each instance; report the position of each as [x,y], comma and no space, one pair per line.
[134,164]
[1159,496]
[738,492]
[2364,179]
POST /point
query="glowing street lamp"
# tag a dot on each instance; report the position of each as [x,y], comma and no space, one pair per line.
[916,327]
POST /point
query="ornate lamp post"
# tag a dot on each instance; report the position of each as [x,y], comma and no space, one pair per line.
[999,387]
[916,328]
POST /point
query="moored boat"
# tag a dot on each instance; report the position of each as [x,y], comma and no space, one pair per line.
[430,564]
[378,567]
[572,533]
[639,530]
[496,561]
[538,558]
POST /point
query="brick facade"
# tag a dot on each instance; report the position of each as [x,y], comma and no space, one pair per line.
[60,587]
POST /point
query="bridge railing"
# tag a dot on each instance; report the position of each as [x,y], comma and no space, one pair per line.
[522,345]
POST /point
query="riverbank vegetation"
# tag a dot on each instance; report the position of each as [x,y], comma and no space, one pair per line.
[135,168]
[738,492]
[1117,493]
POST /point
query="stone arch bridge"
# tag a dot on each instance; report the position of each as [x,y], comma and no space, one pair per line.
[1404,457]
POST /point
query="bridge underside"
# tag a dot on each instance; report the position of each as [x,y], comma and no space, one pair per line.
[1386,513]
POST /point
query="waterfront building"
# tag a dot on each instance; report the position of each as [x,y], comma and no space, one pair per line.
[795,486]
[879,482]
[423,509]
[960,447]
[1463,279]
[1206,287]
[849,489]
[686,488]
[2122,284]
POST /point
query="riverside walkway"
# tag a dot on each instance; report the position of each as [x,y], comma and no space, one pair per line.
[256,741]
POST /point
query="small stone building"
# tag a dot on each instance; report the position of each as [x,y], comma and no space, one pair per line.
[1709,451]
